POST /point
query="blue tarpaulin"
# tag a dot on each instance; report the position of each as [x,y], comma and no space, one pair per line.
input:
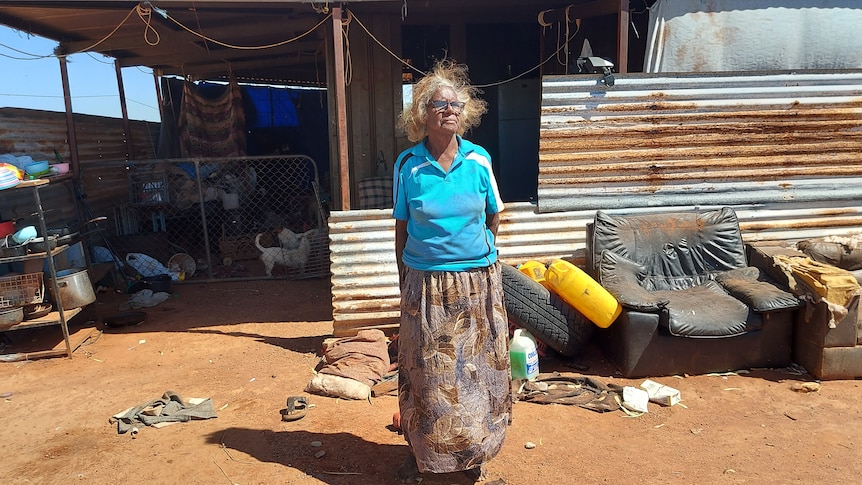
[271,107]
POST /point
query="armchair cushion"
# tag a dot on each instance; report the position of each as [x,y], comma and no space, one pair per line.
[745,285]
[706,311]
[622,278]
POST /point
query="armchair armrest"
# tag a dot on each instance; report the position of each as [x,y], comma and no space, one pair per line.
[621,277]
[745,285]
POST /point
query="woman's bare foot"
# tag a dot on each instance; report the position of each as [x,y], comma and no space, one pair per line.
[408,472]
[476,474]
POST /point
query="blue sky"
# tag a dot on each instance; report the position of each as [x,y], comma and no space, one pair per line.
[26,82]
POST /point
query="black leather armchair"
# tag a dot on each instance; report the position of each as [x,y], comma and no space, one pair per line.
[691,304]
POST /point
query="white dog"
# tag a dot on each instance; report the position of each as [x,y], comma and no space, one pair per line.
[296,257]
[289,239]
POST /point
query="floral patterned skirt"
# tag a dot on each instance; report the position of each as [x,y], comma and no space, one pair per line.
[454,389]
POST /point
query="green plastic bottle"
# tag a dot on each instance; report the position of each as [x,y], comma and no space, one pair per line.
[523,355]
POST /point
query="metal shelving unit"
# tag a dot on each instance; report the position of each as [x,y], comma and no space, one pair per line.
[59,315]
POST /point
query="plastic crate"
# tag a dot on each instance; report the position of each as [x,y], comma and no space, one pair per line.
[148,189]
[21,290]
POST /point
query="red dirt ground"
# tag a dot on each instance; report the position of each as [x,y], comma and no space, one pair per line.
[250,345]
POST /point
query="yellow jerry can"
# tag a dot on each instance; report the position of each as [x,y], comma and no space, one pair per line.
[534,270]
[582,292]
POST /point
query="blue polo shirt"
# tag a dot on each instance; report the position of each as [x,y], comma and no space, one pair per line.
[446,211]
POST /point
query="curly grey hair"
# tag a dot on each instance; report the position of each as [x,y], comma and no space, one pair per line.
[444,74]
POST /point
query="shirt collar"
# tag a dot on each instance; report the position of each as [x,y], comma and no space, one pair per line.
[464,149]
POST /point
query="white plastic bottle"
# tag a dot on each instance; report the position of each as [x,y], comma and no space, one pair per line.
[523,355]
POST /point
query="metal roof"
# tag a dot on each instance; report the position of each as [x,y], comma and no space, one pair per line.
[266,41]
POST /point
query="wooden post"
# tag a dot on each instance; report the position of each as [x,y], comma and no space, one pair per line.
[341,109]
[70,122]
[623,37]
[127,127]
[159,98]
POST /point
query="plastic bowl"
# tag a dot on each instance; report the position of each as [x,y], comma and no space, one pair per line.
[37,168]
[8,249]
[8,179]
[24,235]
[60,168]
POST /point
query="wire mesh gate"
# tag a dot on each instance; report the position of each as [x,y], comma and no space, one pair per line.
[214,218]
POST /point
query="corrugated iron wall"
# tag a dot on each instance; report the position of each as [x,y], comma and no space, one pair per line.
[783,150]
[365,290]
[660,140]
[38,133]
[364,276]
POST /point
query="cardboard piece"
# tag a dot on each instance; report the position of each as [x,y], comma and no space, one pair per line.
[661,394]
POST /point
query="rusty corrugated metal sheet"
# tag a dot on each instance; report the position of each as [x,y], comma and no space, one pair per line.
[364,276]
[38,133]
[660,140]
[57,204]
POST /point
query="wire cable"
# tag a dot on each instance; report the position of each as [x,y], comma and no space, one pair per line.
[548,59]
[22,58]
[376,40]
[241,47]
[136,8]
[91,56]
[33,56]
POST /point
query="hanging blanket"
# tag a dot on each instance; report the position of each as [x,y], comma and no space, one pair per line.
[212,127]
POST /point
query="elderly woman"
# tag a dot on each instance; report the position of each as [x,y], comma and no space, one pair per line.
[454,387]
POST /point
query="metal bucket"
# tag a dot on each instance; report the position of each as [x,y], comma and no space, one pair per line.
[10,317]
[75,288]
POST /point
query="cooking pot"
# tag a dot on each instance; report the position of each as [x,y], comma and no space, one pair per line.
[64,235]
[42,244]
[8,249]
[75,288]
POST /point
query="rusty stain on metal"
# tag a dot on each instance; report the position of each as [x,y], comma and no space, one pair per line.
[649,106]
[822,223]
[718,138]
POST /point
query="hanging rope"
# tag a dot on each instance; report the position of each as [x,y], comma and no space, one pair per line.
[348,63]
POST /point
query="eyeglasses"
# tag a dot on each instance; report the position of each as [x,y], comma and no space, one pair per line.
[440,105]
